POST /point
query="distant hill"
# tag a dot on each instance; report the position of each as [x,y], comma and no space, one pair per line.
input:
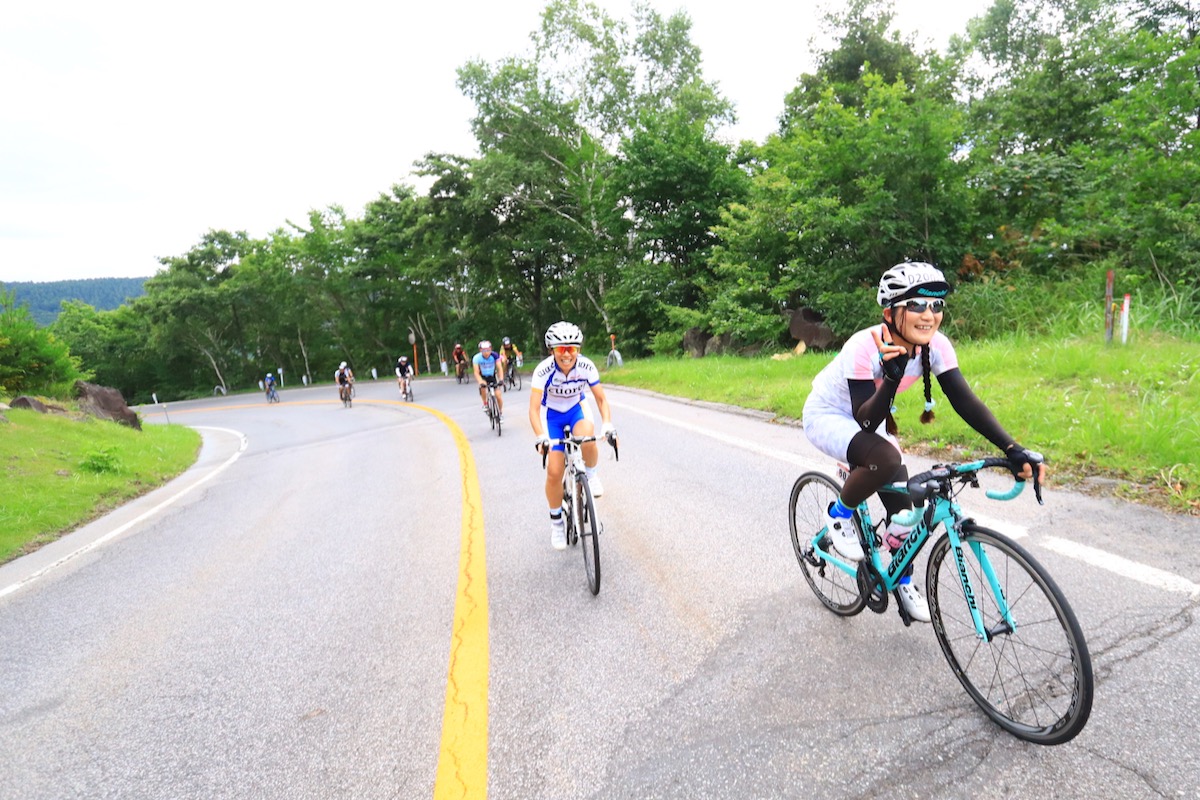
[45,299]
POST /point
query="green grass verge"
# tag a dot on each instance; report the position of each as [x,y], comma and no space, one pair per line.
[59,472]
[1129,413]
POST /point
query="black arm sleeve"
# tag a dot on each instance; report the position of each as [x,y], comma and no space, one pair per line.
[870,405]
[972,409]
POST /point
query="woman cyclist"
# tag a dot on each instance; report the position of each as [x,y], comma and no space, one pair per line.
[556,393]
[852,397]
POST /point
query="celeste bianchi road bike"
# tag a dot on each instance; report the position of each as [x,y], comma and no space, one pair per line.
[1004,626]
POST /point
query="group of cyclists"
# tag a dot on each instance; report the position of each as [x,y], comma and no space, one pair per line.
[847,415]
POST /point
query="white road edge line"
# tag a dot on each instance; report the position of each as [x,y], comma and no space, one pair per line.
[118,531]
[1151,576]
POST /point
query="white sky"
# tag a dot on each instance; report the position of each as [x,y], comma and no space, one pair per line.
[129,128]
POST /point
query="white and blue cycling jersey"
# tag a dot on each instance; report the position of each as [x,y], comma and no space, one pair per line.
[563,390]
[563,394]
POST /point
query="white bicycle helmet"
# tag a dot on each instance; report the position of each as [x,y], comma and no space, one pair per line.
[343,366]
[561,333]
[911,279]
[486,344]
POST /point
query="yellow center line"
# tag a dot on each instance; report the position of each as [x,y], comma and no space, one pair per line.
[462,761]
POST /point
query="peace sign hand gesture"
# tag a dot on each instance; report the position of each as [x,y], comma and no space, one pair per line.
[893,358]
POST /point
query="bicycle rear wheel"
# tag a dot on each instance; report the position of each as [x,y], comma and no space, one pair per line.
[1035,679]
[589,530]
[837,589]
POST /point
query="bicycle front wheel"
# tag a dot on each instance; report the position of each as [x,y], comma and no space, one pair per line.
[496,413]
[1033,674]
[589,530]
[837,589]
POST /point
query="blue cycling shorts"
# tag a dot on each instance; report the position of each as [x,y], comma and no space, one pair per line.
[555,420]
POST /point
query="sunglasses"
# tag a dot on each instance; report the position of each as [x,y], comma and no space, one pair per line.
[920,306]
[566,349]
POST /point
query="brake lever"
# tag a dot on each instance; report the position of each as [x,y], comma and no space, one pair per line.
[612,440]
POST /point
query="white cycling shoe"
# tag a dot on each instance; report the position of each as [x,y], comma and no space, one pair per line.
[596,485]
[558,534]
[913,603]
[844,538]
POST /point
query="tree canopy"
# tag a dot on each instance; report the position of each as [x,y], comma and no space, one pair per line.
[1050,142]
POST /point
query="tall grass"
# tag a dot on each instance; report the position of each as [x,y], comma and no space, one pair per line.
[1130,412]
[1024,305]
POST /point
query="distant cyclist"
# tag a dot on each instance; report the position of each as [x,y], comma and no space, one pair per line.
[404,373]
[556,393]
[510,352]
[489,371]
[269,384]
[459,357]
[344,378]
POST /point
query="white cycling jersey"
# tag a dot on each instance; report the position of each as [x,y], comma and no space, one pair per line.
[563,391]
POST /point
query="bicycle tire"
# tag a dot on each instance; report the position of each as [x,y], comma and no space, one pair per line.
[837,590]
[589,529]
[499,421]
[1036,681]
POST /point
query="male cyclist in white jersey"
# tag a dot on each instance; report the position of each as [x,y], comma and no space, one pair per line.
[556,395]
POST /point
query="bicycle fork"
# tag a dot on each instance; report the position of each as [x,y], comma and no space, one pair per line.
[1007,624]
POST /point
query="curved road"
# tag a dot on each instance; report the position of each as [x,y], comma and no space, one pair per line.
[286,621]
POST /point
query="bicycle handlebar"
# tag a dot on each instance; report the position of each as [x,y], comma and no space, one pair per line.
[921,486]
[567,436]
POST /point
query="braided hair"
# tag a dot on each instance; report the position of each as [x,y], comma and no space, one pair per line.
[927,415]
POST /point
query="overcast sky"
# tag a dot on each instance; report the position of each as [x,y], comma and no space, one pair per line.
[129,128]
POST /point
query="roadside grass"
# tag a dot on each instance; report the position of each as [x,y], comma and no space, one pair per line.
[1128,415]
[58,472]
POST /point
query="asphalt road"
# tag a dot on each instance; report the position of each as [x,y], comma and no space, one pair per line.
[279,623]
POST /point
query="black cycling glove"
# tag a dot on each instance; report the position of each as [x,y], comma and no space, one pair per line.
[893,368]
[1018,457]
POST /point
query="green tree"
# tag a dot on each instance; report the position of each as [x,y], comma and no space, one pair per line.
[33,359]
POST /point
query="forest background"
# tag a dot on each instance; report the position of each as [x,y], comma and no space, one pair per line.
[1052,142]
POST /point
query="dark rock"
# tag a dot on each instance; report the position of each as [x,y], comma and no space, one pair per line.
[106,403]
[809,327]
[33,404]
[718,345]
[694,342]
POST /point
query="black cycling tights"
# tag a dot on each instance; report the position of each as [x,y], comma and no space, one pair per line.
[874,462]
